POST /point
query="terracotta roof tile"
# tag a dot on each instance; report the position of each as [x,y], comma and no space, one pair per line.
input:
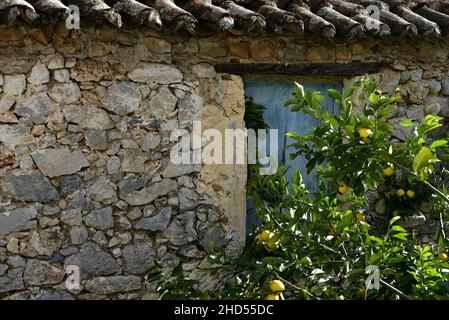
[327,18]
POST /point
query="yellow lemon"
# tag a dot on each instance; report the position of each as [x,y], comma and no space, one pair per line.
[359,216]
[271,246]
[443,257]
[342,187]
[400,192]
[364,133]
[272,297]
[395,213]
[265,235]
[388,171]
[410,194]
[277,285]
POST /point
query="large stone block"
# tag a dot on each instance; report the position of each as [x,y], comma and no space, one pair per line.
[155,73]
[59,162]
[17,220]
[29,185]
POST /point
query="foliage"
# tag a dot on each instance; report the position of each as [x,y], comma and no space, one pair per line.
[319,243]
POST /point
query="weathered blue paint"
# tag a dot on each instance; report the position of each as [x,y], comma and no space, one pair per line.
[272,95]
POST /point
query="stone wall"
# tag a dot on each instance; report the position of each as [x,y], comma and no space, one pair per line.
[85,123]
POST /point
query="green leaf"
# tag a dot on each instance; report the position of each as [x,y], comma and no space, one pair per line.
[406,123]
[422,158]
[334,94]
[393,220]
[438,144]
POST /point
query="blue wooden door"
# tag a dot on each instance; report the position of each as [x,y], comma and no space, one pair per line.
[272,96]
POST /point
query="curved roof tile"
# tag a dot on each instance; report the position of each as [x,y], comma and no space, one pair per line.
[327,18]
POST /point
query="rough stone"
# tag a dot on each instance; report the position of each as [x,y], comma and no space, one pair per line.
[36,108]
[55,295]
[65,92]
[101,219]
[123,98]
[11,284]
[134,161]
[29,185]
[62,75]
[159,222]
[78,235]
[138,258]
[97,139]
[42,273]
[445,87]
[12,135]
[6,102]
[413,221]
[103,191]
[162,104]
[182,230]
[93,261]
[131,183]
[150,141]
[70,184]
[113,284]
[148,194]
[72,217]
[214,238]
[14,85]
[175,170]
[58,162]
[204,70]
[113,165]
[155,73]
[43,242]
[39,74]
[88,117]
[188,199]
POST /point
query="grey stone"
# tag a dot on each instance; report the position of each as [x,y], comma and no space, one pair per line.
[190,110]
[100,238]
[65,92]
[135,214]
[445,87]
[416,75]
[150,141]
[6,102]
[131,183]
[415,112]
[138,258]
[58,162]
[17,220]
[55,295]
[113,284]
[405,76]
[56,62]
[175,170]
[62,75]
[39,74]
[93,261]
[14,85]
[159,222]
[103,191]
[101,219]
[123,98]
[413,221]
[88,117]
[40,273]
[70,184]
[162,104]
[96,139]
[129,144]
[79,235]
[113,165]
[69,251]
[36,108]
[155,73]
[72,217]
[16,261]
[148,194]
[51,210]
[12,135]
[3,268]
[7,284]
[434,86]
[214,238]
[188,199]
[181,230]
